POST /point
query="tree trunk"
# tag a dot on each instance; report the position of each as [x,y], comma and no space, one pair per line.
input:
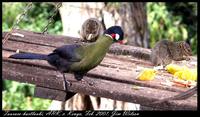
[133,19]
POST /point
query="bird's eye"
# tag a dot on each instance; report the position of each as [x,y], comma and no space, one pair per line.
[117,36]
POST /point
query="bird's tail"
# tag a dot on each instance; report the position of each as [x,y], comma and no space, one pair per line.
[29,56]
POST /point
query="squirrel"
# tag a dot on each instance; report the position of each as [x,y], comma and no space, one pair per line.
[91,29]
[165,51]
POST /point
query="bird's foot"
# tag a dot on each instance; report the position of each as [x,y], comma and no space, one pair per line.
[67,84]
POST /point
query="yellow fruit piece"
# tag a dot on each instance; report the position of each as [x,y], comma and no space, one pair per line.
[171,68]
[183,73]
[147,74]
[186,74]
[194,74]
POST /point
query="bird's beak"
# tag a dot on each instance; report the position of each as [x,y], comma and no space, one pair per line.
[123,41]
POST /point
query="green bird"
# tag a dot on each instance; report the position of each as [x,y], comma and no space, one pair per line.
[78,59]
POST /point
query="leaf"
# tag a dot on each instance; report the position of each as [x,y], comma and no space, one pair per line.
[184,32]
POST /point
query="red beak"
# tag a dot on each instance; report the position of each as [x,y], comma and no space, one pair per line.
[122,41]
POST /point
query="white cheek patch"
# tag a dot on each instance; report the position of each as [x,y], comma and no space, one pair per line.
[108,35]
[117,36]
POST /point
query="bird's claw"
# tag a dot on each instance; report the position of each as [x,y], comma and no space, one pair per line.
[67,84]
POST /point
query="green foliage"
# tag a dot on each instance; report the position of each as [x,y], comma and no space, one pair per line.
[8,15]
[188,12]
[115,5]
[164,24]
[35,20]
[19,96]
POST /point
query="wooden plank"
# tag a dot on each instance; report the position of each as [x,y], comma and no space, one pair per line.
[48,93]
[58,40]
[53,94]
[101,88]
[110,69]
[34,75]
[114,71]
[54,41]
[42,39]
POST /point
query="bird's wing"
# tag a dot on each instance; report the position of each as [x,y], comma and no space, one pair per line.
[71,53]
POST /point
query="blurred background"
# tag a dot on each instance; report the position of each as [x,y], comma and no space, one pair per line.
[143,23]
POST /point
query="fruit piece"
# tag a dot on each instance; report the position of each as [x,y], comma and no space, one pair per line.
[147,74]
[171,68]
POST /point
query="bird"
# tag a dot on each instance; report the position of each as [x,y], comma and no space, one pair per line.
[78,59]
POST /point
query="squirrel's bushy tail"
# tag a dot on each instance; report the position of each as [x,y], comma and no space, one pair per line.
[142,55]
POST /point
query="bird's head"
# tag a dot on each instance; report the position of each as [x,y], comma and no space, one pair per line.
[116,33]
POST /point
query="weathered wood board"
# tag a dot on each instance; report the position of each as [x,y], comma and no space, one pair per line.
[114,78]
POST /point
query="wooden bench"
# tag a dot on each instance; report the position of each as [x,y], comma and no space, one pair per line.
[114,78]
